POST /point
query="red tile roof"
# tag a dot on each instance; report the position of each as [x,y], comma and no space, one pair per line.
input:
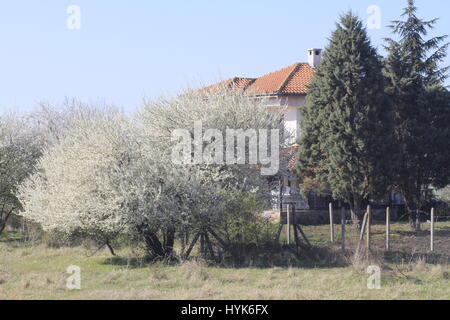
[292,80]
[242,83]
[300,79]
[234,84]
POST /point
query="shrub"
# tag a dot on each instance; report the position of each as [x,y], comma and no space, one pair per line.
[243,222]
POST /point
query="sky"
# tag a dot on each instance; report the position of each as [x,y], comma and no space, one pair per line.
[119,52]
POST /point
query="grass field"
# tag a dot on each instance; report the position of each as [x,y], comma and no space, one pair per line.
[409,272]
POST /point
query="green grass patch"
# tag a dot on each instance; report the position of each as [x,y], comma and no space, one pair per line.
[408,272]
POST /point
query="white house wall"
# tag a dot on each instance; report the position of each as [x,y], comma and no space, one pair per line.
[291,115]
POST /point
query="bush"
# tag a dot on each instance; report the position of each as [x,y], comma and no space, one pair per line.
[244,226]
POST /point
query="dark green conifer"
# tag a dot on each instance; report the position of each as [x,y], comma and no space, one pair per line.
[346,123]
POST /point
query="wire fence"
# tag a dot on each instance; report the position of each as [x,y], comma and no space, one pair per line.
[400,239]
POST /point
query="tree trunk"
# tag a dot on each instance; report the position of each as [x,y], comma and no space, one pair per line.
[4,220]
[413,210]
[414,216]
[355,218]
[356,212]
[418,227]
[153,244]
[2,227]
[414,219]
[170,241]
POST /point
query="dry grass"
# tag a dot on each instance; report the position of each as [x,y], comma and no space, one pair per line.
[40,273]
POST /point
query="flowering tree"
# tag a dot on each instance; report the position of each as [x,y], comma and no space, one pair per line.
[74,189]
[19,151]
[22,141]
[214,177]
[107,174]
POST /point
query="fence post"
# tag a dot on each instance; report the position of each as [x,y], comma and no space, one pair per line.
[331,223]
[361,236]
[369,217]
[343,220]
[432,230]
[388,228]
[288,225]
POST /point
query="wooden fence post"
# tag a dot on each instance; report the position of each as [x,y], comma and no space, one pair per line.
[343,221]
[388,228]
[361,236]
[331,223]
[288,225]
[369,217]
[432,230]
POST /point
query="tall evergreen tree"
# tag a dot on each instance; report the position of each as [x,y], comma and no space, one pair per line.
[421,108]
[346,123]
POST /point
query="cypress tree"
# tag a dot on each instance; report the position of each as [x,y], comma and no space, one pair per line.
[421,107]
[345,124]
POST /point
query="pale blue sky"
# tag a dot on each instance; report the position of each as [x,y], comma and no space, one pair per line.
[129,49]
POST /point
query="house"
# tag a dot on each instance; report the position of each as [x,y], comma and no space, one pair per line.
[286,88]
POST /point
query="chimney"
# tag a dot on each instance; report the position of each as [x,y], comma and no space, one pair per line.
[314,57]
